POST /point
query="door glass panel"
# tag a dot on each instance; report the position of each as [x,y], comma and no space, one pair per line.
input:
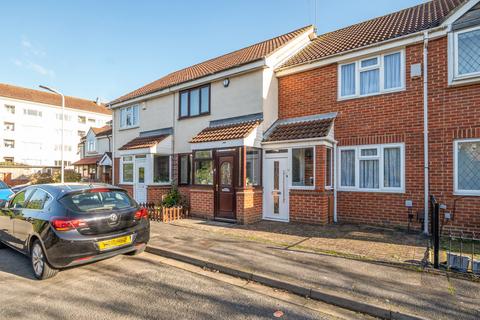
[276,185]
[141,175]
[226,174]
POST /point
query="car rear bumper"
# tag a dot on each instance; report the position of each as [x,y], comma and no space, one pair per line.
[64,253]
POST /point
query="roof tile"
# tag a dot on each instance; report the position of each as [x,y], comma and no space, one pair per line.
[300,130]
[226,132]
[143,142]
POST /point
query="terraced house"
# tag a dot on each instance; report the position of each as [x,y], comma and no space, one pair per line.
[361,124]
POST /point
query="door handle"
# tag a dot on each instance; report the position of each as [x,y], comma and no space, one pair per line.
[216,187]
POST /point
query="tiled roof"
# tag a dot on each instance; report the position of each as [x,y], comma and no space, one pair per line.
[230,60]
[418,18]
[103,131]
[143,142]
[307,129]
[26,94]
[88,160]
[226,132]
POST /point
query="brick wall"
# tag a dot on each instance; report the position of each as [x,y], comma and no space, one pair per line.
[201,202]
[127,187]
[155,193]
[395,117]
[249,205]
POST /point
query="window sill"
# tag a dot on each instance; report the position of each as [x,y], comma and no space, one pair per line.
[463,81]
[301,188]
[126,183]
[467,193]
[160,184]
[371,94]
[128,128]
[193,117]
[399,191]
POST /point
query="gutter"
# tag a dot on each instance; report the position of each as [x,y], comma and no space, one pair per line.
[425,132]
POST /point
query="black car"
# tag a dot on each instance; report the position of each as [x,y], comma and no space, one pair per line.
[64,225]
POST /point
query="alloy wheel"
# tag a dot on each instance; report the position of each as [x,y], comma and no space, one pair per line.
[38,260]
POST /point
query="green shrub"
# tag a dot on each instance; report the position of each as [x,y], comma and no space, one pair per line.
[174,198]
[70,176]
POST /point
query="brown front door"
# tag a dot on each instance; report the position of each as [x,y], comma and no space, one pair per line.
[225,186]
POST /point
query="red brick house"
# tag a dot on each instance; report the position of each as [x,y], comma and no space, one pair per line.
[361,124]
[379,77]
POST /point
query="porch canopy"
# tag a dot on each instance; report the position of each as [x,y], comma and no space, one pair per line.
[232,132]
[149,142]
[88,161]
[301,129]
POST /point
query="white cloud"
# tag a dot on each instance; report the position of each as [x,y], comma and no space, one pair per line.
[31,54]
[29,49]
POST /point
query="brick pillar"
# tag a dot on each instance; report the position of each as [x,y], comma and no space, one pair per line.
[249,205]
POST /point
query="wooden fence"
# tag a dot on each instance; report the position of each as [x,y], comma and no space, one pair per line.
[163,214]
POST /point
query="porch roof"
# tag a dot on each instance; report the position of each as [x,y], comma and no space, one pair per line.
[299,128]
[144,142]
[231,131]
[88,161]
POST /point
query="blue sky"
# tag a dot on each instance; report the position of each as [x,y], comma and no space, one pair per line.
[107,48]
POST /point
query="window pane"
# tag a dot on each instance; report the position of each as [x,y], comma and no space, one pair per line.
[369,174]
[37,200]
[392,70]
[469,52]
[184,168]
[302,167]
[184,104]
[469,166]
[369,81]
[161,169]
[205,103]
[128,172]
[369,62]
[195,102]
[328,167]
[134,116]
[141,175]
[204,172]
[205,154]
[253,167]
[368,152]
[392,168]
[348,80]
[347,168]
[226,174]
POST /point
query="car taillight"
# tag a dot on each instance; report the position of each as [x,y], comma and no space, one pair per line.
[66,224]
[141,214]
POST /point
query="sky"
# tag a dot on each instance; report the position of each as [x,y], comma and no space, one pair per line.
[107,48]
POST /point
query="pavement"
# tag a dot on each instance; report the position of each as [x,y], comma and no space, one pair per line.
[145,287]
[377,289]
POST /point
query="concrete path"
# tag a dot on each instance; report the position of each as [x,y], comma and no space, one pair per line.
[362,286]
[143,287]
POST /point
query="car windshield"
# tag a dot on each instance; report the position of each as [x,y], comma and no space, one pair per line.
[98,201]
[3,185]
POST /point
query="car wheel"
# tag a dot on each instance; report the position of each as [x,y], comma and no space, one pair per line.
[136,252]
[41,268]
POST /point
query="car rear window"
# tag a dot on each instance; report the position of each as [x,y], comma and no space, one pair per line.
[98,201]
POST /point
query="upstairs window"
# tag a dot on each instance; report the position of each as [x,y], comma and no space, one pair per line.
[10,109]
[129,117]
[82,119]
[467,53]
[194,102]
[9,126]
[32,112]
[10,144]
[374,75]
[91,145]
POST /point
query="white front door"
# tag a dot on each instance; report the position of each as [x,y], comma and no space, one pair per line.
[275,195]
[140,188]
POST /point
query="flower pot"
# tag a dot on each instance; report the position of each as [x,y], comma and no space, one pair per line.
[458,262]
[476,266]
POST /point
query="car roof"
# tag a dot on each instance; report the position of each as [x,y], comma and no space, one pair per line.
[58,189]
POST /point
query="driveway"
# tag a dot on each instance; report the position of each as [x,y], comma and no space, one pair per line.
[139,287]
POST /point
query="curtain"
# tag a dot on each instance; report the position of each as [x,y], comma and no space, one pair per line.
[392,168]
[369,81]
[348,80]
[392,70]
[347,168]
[369,174]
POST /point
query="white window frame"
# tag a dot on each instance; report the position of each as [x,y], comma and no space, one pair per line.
[129,110]
[329,174]
[380,156]
[169,182]
[454,76]
[123,161]
[380,66]
[91,145]
[456,190]
[290,160]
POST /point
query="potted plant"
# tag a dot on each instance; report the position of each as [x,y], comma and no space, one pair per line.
[173,205]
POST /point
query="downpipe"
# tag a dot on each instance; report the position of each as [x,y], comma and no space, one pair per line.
[425,133]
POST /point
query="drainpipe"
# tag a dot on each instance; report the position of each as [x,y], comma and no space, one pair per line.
[113,149]
[335,182]
[425,131]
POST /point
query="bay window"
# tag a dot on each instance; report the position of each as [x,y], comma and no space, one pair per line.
[303,167]
[127,169]
[373,75]
[372,168]
[466,53]
[203,167]
[129,117]
[467,167]
[161,169]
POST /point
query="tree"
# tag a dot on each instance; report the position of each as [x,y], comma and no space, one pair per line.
[70,176]
[42,177]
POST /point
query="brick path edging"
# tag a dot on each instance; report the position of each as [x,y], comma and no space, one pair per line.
[312,293]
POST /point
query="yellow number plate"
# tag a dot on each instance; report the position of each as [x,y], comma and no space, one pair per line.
[113,243]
